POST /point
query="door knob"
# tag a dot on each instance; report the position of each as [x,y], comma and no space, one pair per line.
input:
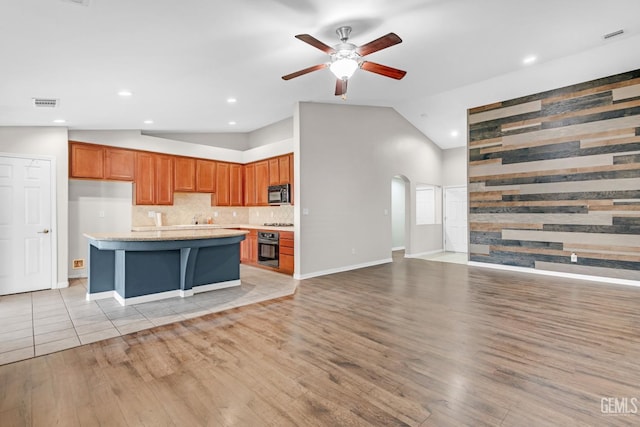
[45,231]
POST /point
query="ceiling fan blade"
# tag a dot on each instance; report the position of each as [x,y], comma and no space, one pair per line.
[378,44]
[383,70]
[305,71]
[316,43]
[341,87]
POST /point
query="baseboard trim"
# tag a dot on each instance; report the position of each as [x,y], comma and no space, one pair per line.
[342,269]
[163,295]
[398,248]
[418,255]
[601,279]
[100,295]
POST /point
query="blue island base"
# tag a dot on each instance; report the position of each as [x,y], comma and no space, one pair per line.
[133,272]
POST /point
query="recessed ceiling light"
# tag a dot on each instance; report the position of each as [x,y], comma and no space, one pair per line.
[232,123]
[125,93]
[529,60]
[148,122]
[454,133]
[232,100]
[59,121]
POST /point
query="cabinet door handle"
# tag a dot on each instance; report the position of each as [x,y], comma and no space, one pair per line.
[45,231]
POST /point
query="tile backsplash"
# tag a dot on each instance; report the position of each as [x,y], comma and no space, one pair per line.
[187,206]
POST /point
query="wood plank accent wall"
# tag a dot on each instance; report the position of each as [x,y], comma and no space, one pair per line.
[557,173]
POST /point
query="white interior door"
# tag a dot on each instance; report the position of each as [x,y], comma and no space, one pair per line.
[455,220]
[25,225]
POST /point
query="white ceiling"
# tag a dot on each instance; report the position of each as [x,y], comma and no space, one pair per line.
[183,59]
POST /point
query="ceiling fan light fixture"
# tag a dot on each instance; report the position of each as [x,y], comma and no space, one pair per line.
[344,68]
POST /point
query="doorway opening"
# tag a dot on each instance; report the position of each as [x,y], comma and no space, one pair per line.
[400,213]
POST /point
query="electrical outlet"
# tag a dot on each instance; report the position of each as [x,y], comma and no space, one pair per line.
[151,214]
[234,213]
[215,214]
[101,214]
[574,257]
[78,263]
[353,251]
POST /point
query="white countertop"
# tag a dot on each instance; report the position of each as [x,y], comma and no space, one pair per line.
[164,235]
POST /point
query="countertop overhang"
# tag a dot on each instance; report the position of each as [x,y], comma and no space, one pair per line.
[165,235]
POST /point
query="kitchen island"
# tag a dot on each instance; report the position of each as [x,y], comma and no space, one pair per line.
[141,266]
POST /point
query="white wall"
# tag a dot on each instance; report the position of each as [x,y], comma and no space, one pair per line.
[52,142]
[346,157]
[94,207]
[398,212]
[454,167]
[278,131]
[232,141]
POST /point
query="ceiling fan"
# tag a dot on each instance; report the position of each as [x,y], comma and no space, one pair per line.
[346,58]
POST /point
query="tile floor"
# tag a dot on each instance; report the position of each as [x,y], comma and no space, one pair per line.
[454,257]
[37,323]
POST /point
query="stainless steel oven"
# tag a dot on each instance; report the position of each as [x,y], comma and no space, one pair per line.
[268,248]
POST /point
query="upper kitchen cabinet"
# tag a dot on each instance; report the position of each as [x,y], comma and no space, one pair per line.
[235,185]
[222,196]
[86,161]
[262,183]
[280,170]
[185,174]
[205,176]
[274,171]
[154,179]
[228,185]
[164,180]
[250,184]
[285,164]
[119,164]
[93,161]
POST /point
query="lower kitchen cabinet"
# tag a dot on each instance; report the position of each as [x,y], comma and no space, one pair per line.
[286,252]
[249,248]
[249,251]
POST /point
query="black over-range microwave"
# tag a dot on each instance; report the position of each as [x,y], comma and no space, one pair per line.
[280,194]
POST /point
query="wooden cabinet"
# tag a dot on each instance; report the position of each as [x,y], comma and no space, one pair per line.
[235,185]
[164,180]
[222,196]
[205,176]
[284,169]
[86,161]
[93,161]
[274,171]
[262,183]
[249,248]
[119,164]
[258,176]
[231,184]
[145,179]
[280,170]
[249,251]
[250,184]
[154,179]
[286,252]
[185,174]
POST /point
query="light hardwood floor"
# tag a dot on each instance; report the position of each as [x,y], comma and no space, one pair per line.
[409,343]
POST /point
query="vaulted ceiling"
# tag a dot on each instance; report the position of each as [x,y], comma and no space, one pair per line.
[183,60]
